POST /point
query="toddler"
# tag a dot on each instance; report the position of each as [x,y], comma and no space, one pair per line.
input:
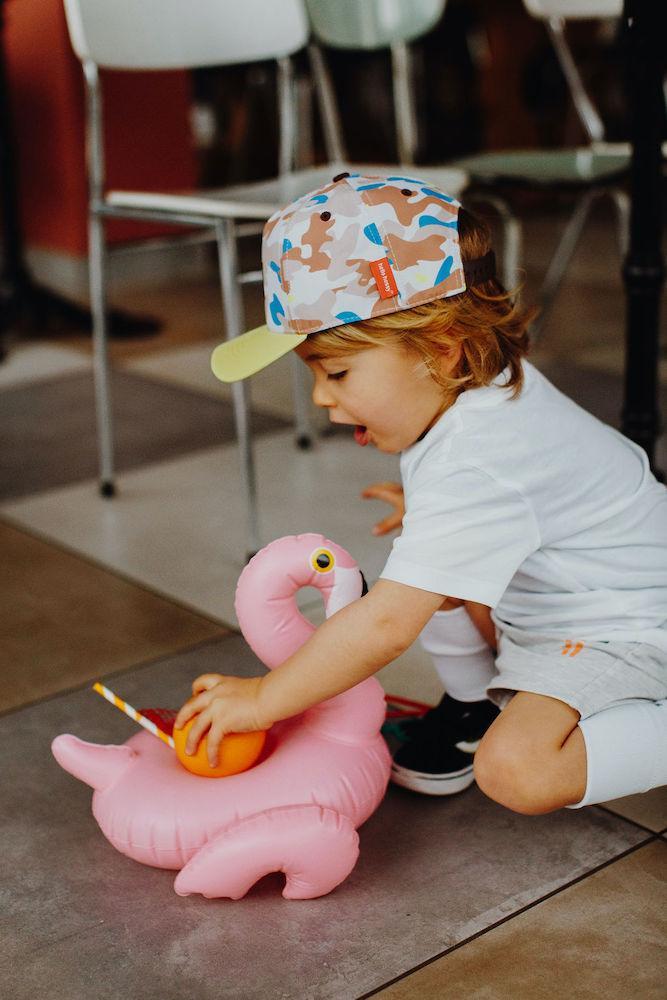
[532,556]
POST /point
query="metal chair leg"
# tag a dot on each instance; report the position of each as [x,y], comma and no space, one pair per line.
[334,144]
[233,312]
[97,272]
[512,244]
[404,102]
[301,396]
[622,204]
[511,237]
[561,258]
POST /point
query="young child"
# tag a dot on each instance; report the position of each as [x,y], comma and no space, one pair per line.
[526,519]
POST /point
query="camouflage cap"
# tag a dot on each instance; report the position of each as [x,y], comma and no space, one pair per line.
[358,248]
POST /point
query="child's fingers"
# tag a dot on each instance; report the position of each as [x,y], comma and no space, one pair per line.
[215,734]
[392,497]
[388,524]
[184,715]
[382,491]
[198,729]
[191,707]
[205,682]
[384,485]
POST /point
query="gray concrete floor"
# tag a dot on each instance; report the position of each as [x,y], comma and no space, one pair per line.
[454,898]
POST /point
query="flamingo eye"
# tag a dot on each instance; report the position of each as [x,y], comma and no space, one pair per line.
[322,560]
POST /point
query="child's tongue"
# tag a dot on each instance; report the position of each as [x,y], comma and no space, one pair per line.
[361,435]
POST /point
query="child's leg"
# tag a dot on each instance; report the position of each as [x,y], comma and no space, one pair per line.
[437,757]
[461,655]
[536,757]
[533,758]
[626,750]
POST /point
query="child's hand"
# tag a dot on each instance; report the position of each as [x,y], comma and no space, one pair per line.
[222,705]
[391,493]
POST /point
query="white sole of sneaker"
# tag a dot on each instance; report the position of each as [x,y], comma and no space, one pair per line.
[432,784]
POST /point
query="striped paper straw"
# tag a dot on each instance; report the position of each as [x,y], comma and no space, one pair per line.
[132,713]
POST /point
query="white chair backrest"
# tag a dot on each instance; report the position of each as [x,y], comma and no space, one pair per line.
[182,34]
[554,14]
[372,24]
[579,9]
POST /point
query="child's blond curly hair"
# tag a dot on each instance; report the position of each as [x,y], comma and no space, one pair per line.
[485,321]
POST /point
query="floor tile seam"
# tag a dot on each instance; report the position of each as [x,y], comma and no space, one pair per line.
[62,376]
[189,390]
[191,450]
[30,380]
[258,409]
[633,822]
[124,366]
[264,411]
[285,426]
[54,543]
[511,916]
[89,928]
[122,671]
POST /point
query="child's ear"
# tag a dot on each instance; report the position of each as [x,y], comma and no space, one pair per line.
[450,359]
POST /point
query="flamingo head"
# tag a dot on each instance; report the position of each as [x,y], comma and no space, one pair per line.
[267,588]
[333,572]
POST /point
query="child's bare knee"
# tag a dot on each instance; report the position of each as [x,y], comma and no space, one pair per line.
[504,773]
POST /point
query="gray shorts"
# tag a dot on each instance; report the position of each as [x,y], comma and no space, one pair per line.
[589,676]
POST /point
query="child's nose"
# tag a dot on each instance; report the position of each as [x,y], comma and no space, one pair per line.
[321,395]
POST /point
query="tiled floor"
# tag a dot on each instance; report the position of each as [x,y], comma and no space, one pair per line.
[454,898]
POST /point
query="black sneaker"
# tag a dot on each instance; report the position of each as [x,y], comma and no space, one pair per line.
[437,758]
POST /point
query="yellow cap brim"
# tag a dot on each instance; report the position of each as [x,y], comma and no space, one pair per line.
[249,353]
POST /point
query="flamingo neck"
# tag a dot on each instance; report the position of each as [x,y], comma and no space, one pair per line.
[275,629]
[354,716]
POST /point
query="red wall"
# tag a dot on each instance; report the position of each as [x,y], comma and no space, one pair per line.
[146,125]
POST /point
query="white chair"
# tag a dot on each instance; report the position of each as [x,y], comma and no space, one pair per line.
[369,26]
[373,25]
[590,171]
[177,34]
[172,34]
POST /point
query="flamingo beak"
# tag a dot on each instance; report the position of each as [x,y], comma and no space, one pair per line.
[348,586]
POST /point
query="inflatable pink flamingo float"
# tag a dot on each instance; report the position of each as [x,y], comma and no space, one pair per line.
[320,776]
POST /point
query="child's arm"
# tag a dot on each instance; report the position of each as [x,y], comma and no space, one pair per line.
[349,647]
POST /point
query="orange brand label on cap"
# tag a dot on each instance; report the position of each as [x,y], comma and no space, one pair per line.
[384,277]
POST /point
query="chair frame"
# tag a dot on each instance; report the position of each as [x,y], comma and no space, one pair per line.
[215,214]
[595,130]
[405,112]
[406,134]
[215,227]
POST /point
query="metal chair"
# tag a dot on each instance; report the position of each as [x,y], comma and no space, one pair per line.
[378,24]
[393,25]
[589,172]
[592,170]
[171,34]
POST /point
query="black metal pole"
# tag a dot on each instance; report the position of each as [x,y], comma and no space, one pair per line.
[643,270]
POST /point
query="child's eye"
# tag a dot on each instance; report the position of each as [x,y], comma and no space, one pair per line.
[337,376]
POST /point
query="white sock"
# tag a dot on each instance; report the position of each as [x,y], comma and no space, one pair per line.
[626,750]
[463,660]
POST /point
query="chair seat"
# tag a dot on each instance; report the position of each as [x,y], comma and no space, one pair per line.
[261,199]
[584,166]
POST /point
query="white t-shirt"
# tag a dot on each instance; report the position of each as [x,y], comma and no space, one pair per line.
[537,509]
